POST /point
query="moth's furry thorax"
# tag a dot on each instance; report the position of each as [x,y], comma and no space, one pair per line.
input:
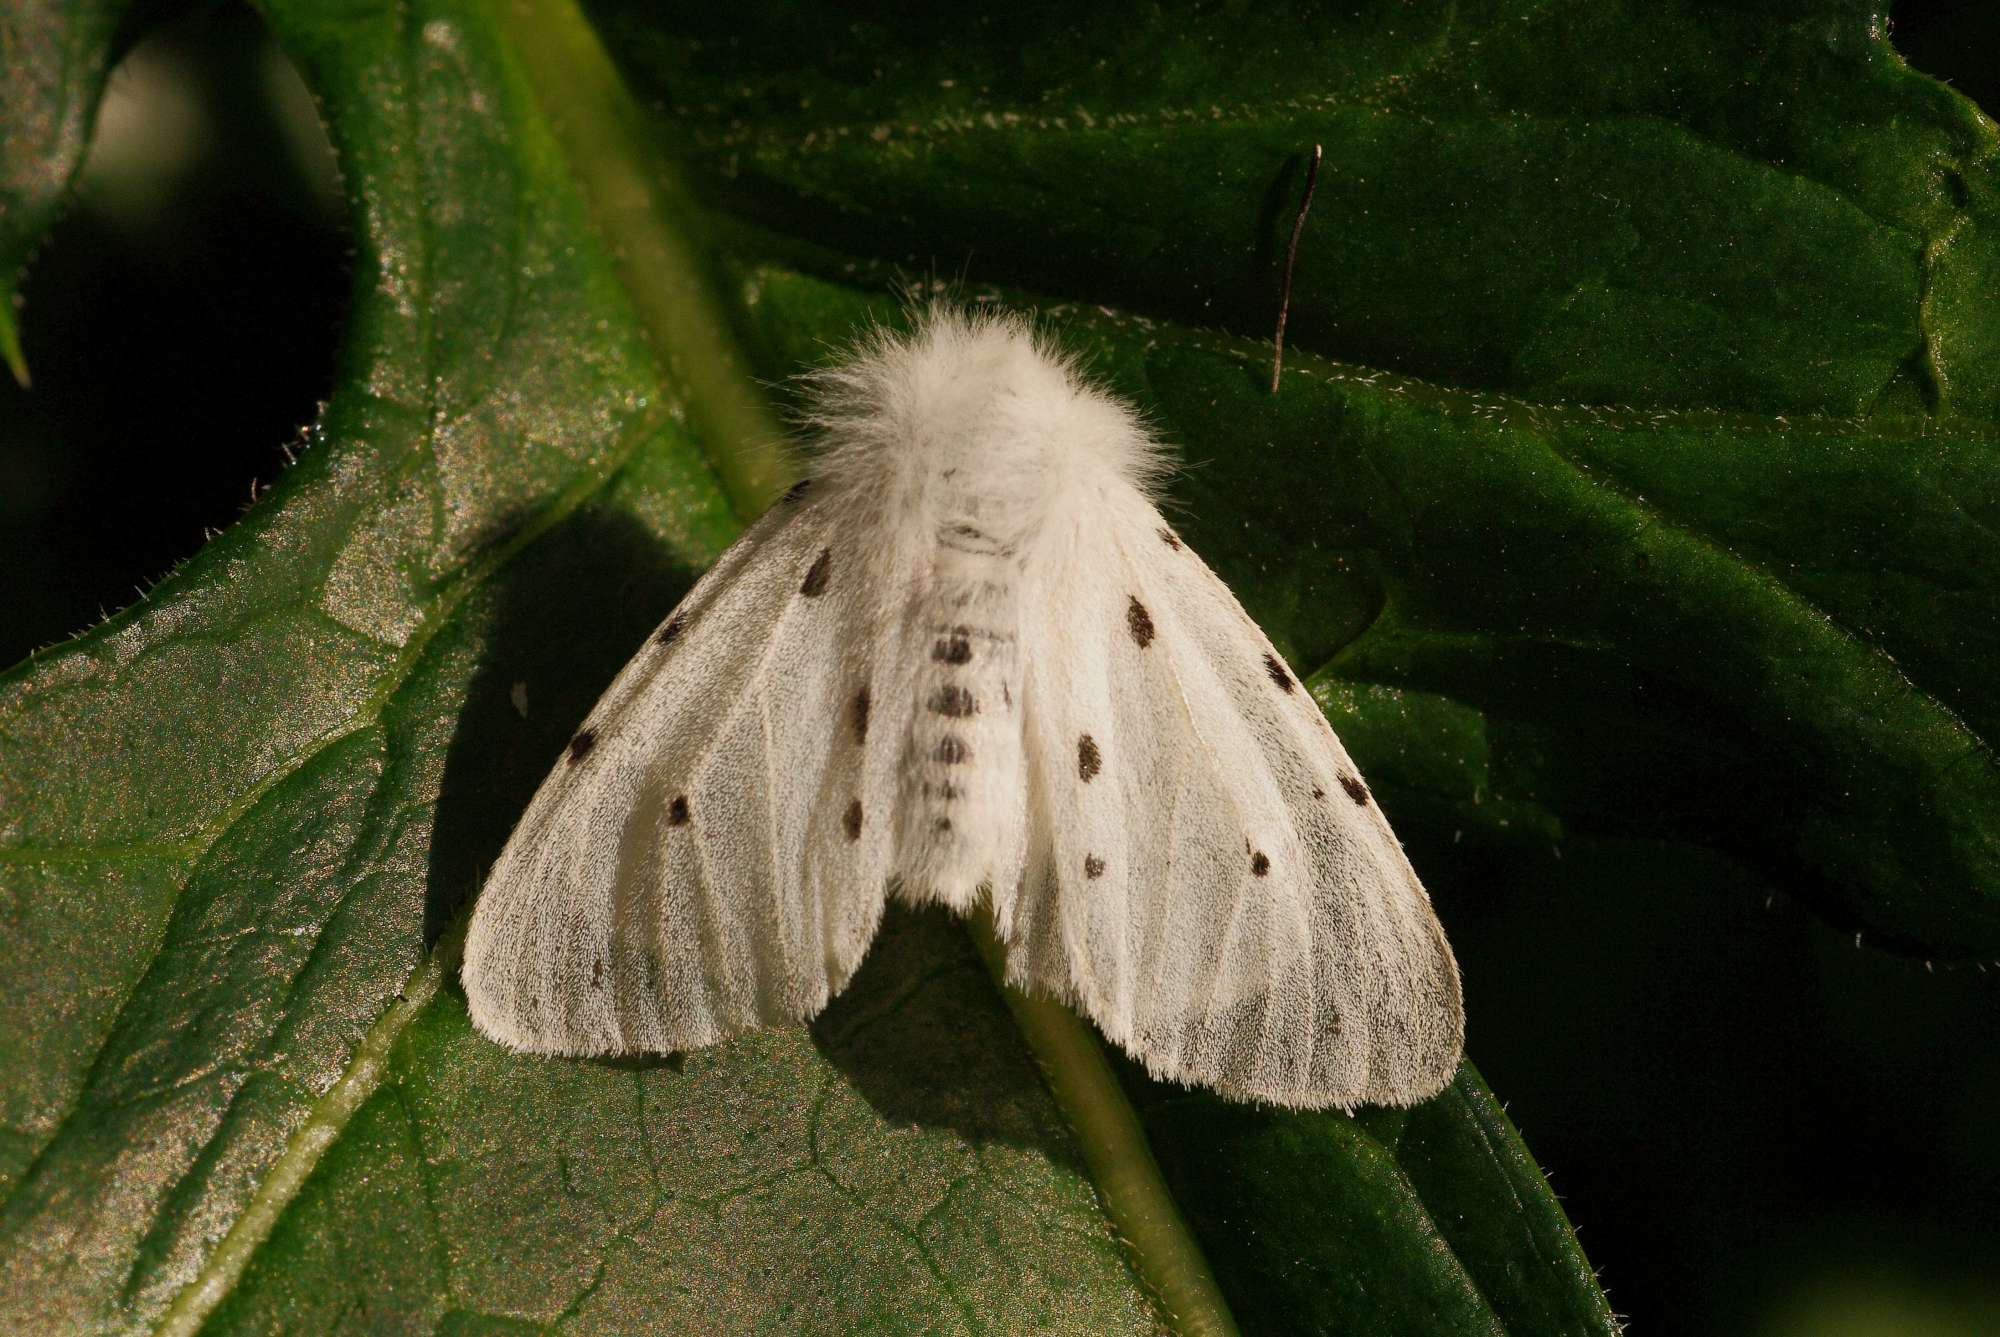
[972,418]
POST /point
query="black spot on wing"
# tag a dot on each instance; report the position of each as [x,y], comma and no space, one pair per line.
[677,811]
[672,631]
[597,973]
[955,648]
[1139,622]
[1318,792]
[1259,863]
[1355,789]
[1168,537]
[852,821]
[953,701]
[952,750]
[861,716]
[579,746]
[1088,760]
[798,489]
[1278,672]
[816,577]
[1093,867]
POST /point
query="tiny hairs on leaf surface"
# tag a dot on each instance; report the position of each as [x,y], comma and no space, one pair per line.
[969,664]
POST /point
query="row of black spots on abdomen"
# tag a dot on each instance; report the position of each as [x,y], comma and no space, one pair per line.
[963,706]
[959,643]
[951,706]
[976,659]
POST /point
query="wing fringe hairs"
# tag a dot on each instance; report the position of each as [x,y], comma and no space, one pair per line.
[967,662]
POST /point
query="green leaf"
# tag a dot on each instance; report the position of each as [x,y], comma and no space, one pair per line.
[1643,480]
[797,1181]
[238,822]
[1439,1207]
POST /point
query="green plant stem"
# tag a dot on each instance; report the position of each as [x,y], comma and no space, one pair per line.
[1135,1195]
[635,199]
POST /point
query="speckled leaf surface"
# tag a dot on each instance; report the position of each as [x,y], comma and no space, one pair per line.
[798,1181]
[1632,477]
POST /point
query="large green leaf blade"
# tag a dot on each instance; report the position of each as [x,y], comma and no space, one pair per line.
[227,784]
[1706,358]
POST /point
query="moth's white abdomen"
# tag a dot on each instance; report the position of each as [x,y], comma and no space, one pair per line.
[959,813]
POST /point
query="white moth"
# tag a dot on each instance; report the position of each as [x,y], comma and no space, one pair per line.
[968,661]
